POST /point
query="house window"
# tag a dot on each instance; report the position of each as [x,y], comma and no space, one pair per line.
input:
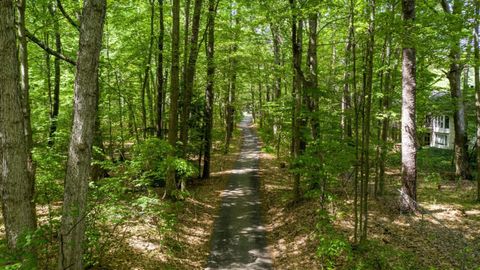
[441,139]
[442,122]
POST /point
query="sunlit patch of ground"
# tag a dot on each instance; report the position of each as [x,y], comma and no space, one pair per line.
[187,245]
[445,236]
[191,240]
[290,229]
[141,242]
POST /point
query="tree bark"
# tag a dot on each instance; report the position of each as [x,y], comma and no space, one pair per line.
[190,73]
[462,167]
[186,31]
[25,89]
[17,186]
[477,87]
[312,82]
[346,121]
[72,230]
[277,41]
[160,83]
[356,119]
[56,88]
[296,93]
[174,90]
[385,106]
[209,91]
[367,94]
[145,84]
[230,99]
[408,192]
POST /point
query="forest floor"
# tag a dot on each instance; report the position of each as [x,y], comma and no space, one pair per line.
[445,236]
[160,235]
[186,244]
[151,233]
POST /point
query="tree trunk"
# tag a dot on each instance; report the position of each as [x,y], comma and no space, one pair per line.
[346,121]
[56,88]
[277,41]
[145,84]
[312,81]
[296,93]
[368,84]
[160,80]
[72,230]
[186,31]
[477,88]
[385,106]
[209,91]
[230,107]
[25,87]
[356,120]
[462,168]
[260,112]
[174,89]
[151,103]
[190,73]
[17,186]
[97,170]
[408,193]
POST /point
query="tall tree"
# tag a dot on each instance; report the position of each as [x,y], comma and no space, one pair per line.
[160,80]
[25,85]
[476,38]
[190,73]
[148,62]
[174,90]
[408,192]
[346,121]
[462,167]
[232,89]
[72,230]
[55,106]
[312,78]
[16,181]
[367,103]
[277,42]
[385,106]
[209,91]
[296,26]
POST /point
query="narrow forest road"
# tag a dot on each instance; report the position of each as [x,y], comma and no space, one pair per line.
[238,239]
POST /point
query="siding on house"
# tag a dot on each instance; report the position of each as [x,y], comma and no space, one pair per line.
[442,133]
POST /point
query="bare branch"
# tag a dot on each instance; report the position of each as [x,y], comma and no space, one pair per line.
[65,14]
[48,49]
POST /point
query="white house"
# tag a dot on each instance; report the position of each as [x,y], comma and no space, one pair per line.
[442,133]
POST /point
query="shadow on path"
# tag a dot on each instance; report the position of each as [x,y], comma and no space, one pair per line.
[238,239]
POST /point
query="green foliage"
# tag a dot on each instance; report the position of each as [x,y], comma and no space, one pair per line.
[322,162]
[184,169]
[373,254]
[333,247]
[150,162]
[21,258]
[50,173]
[430,161]
[433,177]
